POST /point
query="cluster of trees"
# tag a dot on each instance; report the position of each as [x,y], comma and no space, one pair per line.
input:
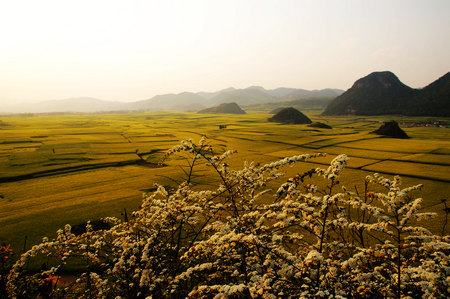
[242,240]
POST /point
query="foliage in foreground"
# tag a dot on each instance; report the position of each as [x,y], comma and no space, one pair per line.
[242,240]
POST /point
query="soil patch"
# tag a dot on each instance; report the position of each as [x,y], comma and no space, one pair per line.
[66,279]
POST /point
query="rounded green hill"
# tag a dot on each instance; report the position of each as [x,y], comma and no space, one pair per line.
[290,115]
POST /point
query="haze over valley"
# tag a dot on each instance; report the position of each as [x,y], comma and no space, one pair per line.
[182,54]
[187,101]
[379,93]
[238,148]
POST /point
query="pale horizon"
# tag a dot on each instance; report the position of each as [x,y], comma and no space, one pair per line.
[129,51]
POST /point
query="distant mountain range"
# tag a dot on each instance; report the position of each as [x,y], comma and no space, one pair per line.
[185,101]
[382,93]
[379,93]
[82,104]
[228,108]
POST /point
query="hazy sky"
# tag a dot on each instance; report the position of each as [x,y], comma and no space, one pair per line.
[133,50]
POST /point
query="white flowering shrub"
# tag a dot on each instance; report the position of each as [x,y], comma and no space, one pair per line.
[242,240]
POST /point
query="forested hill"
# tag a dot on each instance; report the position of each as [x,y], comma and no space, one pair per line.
[434,99]
[382,93]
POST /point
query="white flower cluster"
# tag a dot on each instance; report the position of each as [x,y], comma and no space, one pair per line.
[238,241]
[335,167]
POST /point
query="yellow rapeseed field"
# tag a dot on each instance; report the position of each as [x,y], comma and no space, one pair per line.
[73,168]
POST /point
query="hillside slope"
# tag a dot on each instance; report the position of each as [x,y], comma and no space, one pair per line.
[167,101]
[302,94]
[290,115]
[243,97]
[382,93]
[376,94]
[230,108]
[432,100]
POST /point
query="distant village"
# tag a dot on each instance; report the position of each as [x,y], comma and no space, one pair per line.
[437,124]
[434,124]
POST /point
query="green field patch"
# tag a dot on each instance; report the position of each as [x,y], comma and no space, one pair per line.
[427,171]
[346,124]
[242,137]
[441,151]
[142,139]
[337,123]
[292,152]
[16,140]
[428,133]
[36,166]
[108,138]
[247,133]
[341,139]
[22,159]
[118,148]
[85,177]
[8,151]
[62,140]
[154,158]
[243,145]
[322,142]
[24,217]
[10,148]
[247,121]
[354,162]
[28,149]
[66,146]
[39,136]
[397,145]
[73,129]
[83,180]
[361,153]
[296,138]
[166,135]
[57,150]
[66,137]
[63,151]
[313,141]
[68,157]
[302,151]
[147,148]
[113,157]
[427,158]
[230,128]
[6,147]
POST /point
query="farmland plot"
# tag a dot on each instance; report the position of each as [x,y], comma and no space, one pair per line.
[70,169]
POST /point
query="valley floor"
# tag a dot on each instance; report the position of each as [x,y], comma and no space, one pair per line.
[70,169]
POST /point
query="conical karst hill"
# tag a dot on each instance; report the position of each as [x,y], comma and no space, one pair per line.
[391,129]
[290,115]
